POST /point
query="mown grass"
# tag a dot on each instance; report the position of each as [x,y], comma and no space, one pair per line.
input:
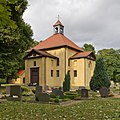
[100,109]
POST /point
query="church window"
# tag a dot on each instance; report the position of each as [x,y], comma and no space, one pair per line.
[57,62]
[51,73]
[68,62]
[75,73]
[69,72]
[57,73]
[52,62]
[34,63]
[90,64]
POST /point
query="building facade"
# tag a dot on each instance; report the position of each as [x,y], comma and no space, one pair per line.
[47,63]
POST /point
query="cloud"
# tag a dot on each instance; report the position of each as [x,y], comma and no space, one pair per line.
[86,21]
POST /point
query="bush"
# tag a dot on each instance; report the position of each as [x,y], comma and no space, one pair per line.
[26,91]
[66,83]
[57,100]
[53,95]
[65,99]
[70,96]
[2,81]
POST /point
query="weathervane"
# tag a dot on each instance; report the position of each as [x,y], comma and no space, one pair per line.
[58,17]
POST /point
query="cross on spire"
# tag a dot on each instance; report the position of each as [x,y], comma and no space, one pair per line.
[58,17]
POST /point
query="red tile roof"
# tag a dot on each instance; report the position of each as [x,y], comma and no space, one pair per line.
[57,40]
[20,72]
[81,55]
[58,23]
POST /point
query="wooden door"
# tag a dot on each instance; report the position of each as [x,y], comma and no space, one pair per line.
[34,75]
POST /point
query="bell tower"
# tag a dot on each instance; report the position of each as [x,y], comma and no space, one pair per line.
[58,27]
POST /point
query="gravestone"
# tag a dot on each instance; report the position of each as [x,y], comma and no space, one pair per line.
[43,97]
[57,92]
[104,91]
[13,93]
[38,89]
[8,90]
[84,93]
[1,96]
[80,88]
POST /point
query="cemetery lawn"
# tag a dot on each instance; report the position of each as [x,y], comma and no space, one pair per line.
[100,109]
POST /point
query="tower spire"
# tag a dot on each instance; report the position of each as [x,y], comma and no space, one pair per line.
[58,26]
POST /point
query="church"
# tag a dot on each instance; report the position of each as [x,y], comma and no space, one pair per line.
[47,63]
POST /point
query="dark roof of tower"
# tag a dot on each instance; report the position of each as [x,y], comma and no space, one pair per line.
[58,23]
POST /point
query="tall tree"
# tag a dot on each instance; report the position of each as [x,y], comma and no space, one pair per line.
[89,47]
[111,59]
[100,78]
[15,38]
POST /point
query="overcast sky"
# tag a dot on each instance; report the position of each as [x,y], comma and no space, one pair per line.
[95,22]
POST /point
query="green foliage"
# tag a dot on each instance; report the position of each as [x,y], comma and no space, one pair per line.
[2,81]
[89,47]
[111,59]
[100,78]
[53,95]
[101,110]
[15,37]
[26,91]
[66,83]
[57,100]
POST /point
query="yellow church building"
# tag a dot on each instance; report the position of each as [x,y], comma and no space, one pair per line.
[47,63]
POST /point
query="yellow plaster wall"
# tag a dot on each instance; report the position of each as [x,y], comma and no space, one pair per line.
[56,81]
[29,63]
[77,64]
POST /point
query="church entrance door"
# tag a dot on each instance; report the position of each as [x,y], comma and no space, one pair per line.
[34,75]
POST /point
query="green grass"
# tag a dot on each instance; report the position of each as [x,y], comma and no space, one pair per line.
[102,109]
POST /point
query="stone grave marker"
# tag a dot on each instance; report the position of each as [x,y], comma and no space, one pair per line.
[43,97]
[14,92]
[104,91]
[84,93]
[57,92]
[80,88]
[8,90]
[38,89]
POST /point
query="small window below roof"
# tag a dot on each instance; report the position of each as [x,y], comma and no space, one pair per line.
[34,63]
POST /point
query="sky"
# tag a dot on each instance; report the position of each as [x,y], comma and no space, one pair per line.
[95,22]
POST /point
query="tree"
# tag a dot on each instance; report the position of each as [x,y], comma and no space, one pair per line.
[100,78]
[89,47]
[111,59]
[15,38]
[66,83]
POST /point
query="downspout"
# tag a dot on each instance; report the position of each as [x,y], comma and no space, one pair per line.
[45,73]
[65,61]
[84,72]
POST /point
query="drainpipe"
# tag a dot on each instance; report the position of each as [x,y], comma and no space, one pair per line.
[84,72]
[65,61]
[45,73]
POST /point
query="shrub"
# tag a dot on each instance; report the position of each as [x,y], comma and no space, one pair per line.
[57,100]
[53,95]
[65,99]
[70,96]
[100,78]
[66,83]
[2,81]
[26,91]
